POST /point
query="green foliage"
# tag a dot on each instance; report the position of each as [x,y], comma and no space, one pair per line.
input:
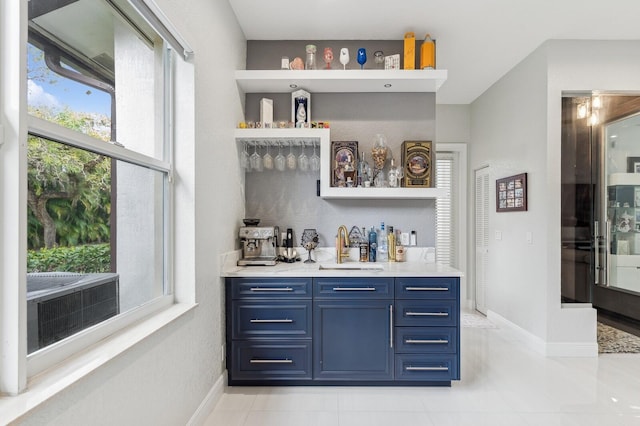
[68,188]
[85,259]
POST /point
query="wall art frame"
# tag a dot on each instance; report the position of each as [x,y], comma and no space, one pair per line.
[511,194]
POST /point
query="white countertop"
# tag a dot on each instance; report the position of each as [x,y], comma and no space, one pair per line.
[414,267]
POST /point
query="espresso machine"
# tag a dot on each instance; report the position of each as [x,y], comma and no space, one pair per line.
[258,245]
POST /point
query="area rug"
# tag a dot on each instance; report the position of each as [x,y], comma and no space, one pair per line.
[476,321]
[614,341]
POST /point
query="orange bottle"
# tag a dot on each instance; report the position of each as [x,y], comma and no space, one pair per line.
[428,54]
[409,51]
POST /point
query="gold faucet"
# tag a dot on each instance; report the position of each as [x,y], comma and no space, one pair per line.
[342,240]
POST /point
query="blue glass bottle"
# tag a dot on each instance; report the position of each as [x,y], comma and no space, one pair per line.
[373,244]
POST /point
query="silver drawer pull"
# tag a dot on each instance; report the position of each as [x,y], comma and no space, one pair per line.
[420,342]
[270,320]
[427,314]
[426,288]
[271,361]
[271,289]
[354,289]
[427,368]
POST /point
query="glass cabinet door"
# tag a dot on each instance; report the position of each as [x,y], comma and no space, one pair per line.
[622,203]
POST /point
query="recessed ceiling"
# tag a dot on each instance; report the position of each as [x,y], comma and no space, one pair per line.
[478,41]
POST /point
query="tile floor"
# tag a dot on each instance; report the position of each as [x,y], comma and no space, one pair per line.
[502,383]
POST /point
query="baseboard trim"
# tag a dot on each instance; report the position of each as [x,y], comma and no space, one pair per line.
[209,402]
[548,349]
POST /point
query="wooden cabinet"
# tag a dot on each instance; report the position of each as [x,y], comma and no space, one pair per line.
[352,329]
[340,330]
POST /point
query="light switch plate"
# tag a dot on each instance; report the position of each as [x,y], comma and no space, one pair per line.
[529,237]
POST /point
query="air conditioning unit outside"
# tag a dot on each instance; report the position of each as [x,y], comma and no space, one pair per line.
[60,304]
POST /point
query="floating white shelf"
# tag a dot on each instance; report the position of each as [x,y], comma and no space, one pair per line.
[326,191]
[341,81]
[381,193]
[275,135]
[624,179]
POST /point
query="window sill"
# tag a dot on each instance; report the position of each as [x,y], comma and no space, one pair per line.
[47,384]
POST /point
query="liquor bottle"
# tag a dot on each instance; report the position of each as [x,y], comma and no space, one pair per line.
[391,244]
[394,175]
[373,244]
[399,247]
[364,247]
[383,252]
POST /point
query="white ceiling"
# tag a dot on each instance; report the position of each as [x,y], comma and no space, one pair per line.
[478,41]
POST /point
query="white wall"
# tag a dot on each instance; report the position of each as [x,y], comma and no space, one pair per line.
[508,133]
[163,380]
[516,128]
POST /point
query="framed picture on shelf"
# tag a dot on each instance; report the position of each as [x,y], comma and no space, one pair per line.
[511,193]
[344,157]
[633,164]
[636,196]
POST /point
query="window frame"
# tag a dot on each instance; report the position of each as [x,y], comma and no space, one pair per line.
[16,367]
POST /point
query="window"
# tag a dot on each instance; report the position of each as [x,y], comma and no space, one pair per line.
[445,219]
[98,167]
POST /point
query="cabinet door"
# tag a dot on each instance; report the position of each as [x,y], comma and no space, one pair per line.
[352,340]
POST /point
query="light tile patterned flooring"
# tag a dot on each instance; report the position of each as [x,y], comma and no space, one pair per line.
[503,383]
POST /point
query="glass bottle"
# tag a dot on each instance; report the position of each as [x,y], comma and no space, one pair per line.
[373,244]
[393,175]
[310,63]
[364,171]
[391,244]
[383,252]
[379,155]
[399,247]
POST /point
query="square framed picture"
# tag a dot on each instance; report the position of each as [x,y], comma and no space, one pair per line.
[511,193]
[633,164]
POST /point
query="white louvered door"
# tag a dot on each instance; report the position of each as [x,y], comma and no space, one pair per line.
[482,236]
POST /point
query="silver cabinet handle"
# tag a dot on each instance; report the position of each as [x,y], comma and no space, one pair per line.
[271,289]
[426,342]
[391,326]
[354,289]
[427,314]
[270,320]
[271,361]
[427,368]
[427,288]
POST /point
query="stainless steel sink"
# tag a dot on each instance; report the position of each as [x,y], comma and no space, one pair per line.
[351,267]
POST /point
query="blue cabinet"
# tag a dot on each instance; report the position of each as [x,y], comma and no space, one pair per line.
[427,329]
[268,330]
[342,330]
[352,326]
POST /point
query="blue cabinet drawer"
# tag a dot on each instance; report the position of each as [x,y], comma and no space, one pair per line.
[426,313]
[427,288]
[350,288]
[427,367]
[271,319]
[270,287]
[271,360]
[426,340]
